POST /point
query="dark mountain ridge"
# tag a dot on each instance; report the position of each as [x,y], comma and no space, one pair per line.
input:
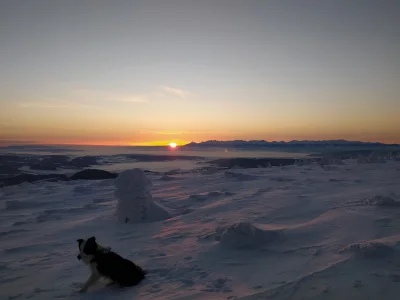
[290,144]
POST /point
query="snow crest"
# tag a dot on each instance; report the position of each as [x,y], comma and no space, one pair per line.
[244,235]
[381,201]
[135,202]
[369,249]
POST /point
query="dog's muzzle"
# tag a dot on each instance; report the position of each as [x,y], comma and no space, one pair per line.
[79,257]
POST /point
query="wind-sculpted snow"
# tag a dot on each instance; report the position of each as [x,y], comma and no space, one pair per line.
[239,176]
[245,236]
[317,229]
[135,203]
[382,201]
[369,249]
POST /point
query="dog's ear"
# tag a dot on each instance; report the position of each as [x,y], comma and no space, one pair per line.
[90,246]
[80,241]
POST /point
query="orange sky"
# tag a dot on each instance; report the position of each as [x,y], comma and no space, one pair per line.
[153,74]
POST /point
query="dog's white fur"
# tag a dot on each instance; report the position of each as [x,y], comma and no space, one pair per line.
[87,259]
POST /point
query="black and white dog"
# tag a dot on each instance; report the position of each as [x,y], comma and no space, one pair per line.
[105,263]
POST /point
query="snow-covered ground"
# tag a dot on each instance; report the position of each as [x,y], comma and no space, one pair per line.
[297,232]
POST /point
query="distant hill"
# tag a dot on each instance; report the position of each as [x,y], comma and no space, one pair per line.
[291,144]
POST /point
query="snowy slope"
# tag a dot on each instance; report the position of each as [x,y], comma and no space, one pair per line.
[297,232]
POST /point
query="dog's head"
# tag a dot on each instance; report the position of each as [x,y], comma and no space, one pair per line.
[87,248]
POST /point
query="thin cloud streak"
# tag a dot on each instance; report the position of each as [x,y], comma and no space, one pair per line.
[177,132]
[55,105]
[98,95]
[169,132]
[176,92]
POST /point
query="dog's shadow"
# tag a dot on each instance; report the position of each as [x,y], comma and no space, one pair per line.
[112,292]
[104,291]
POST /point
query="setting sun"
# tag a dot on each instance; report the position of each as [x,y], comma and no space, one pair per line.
[173,145]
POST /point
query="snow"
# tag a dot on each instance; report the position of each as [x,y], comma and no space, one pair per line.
[245,235]
[134,201]
[306,231]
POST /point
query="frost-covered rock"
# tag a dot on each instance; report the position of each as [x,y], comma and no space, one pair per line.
[93,174]
[381,201]
[208,170]
[369,249]
[244,235]
[135,202]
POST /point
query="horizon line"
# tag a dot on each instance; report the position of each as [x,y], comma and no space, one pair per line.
[8,143]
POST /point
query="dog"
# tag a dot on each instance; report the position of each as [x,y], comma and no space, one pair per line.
[105,263]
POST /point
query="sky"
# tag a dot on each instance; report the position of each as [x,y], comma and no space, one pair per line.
[153,72]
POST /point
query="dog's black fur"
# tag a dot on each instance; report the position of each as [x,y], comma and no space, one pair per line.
[111,265]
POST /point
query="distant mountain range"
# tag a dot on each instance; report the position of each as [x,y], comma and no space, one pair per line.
[282,144]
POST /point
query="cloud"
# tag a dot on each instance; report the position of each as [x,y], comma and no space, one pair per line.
[55,104]
[92,98]
[173,132]
[42,105]
[9,142]
[133,98]
[169,132]
[176,92]
[98,95]
[84,98]
[128,97]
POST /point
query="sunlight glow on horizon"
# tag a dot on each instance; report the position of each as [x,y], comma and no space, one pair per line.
[203,70]
[181,143]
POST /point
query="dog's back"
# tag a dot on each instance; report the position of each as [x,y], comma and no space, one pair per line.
[118,269]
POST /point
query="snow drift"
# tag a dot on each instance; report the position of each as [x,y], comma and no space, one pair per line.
[244,235]
[135,202]
[335,240]
[381,201]
[374,248]
[239,176]
[368,249]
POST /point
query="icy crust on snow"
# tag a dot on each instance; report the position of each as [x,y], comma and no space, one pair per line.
[244,235]
[294,232]
[381,201]
[134,200]
[369,249]
[374,248]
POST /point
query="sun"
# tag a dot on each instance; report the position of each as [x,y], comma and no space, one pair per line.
[173,145]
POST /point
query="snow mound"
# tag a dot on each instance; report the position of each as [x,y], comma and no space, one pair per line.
[214,194]
[369,249]
[173,172]
[370,159]
[209,170]
[244,235]
[198,197]
[135,202]
[281,179]
[203,197]
[167,178]
[381,201]
[239,176]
